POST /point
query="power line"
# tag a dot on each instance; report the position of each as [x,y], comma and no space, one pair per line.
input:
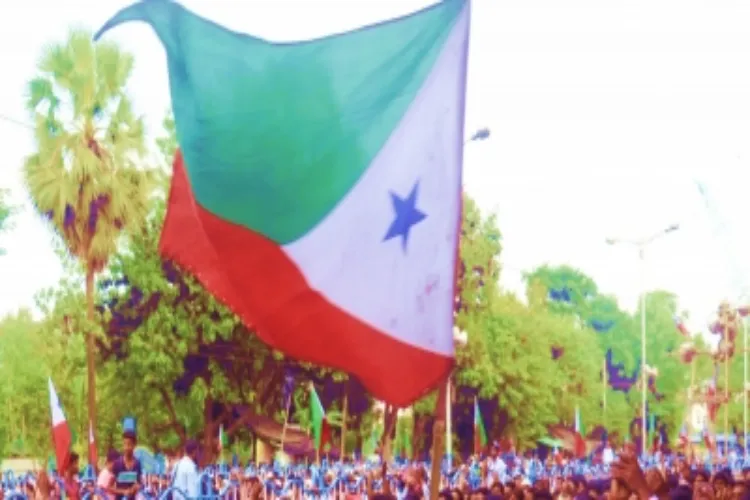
[12,120]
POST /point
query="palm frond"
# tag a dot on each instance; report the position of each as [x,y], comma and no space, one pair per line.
[88,176]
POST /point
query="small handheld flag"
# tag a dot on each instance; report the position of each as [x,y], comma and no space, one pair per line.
[480,434]
[61,435]
[321,429]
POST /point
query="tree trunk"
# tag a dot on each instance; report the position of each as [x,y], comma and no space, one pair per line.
[90,349]
[419,438]
[389,425]
[208,454]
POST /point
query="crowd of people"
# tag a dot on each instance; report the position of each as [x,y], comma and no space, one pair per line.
[493,475]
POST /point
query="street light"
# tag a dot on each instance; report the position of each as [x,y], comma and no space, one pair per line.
[641,245]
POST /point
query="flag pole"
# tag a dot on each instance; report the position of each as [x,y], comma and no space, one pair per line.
[726,391]
[448,420]
[438,434]
[604,390]
[286,423]
[477,440]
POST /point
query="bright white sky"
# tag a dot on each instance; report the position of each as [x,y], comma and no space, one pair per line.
[602,113]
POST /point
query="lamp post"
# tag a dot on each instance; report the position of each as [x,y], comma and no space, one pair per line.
[641,245]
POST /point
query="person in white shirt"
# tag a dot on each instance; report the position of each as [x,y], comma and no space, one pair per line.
[186,477]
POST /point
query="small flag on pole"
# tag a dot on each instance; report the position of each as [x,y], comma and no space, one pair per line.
[579,422]
[61,435]
[480,433]
[320,427]
[223,439]
[680,325]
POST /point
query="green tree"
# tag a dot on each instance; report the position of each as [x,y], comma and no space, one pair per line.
[662,343]
[86,175]
[5,212]
[31,352]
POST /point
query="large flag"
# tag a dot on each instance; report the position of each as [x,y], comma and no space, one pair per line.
[93,454]
[480,433]
[321,429]
[61,436]
[318,188]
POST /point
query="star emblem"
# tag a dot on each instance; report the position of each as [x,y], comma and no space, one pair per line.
[406,216]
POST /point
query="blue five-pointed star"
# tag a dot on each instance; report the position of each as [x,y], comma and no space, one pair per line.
[406,214]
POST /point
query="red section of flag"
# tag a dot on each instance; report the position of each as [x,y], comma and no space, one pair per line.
[571,440]
[678,323]
[326,437]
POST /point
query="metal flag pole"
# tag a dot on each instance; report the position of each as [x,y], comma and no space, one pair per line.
[448,419]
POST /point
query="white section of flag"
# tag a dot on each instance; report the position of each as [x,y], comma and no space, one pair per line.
[406,295]
[58,416]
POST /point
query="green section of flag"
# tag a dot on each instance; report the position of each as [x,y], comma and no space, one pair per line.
[275,135]
[480,433]
[317,415]
[579,427]
[223,438]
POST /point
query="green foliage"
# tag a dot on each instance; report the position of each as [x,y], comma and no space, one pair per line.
[5,212]
[87,174]
[32,351]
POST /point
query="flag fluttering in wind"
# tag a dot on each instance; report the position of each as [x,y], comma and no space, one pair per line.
[318,188]
[61,435]
[579,422]
[321,428]
[680,325]
[480,433]
[93,454]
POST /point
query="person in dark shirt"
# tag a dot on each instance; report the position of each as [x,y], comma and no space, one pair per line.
[127,470]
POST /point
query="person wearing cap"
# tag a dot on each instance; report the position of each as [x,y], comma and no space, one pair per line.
[127,469]
[186,478]
[106,480]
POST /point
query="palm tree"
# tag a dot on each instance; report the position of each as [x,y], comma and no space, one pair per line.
[87,176]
